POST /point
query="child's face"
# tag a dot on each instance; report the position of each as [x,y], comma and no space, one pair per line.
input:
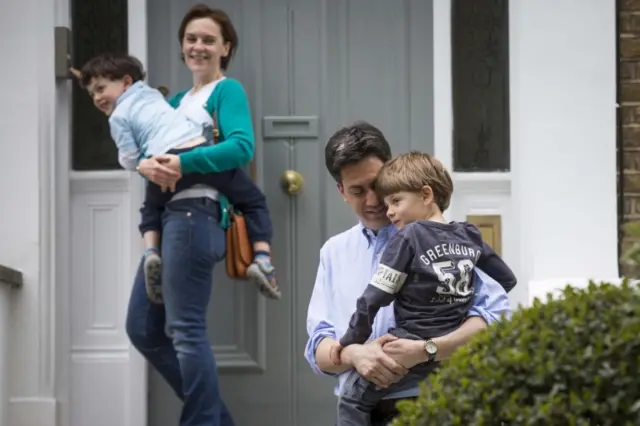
[406,207]
[105,92]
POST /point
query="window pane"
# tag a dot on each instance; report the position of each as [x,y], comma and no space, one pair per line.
[98,27]
[480,67]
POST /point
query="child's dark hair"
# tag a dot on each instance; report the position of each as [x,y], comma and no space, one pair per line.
[113,66]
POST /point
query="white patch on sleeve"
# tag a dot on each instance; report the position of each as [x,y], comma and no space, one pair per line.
[388,279]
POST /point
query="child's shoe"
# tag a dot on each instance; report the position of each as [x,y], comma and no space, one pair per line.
[152,275]
[262,273]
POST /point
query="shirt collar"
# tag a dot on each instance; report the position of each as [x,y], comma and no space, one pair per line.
[136,87]
[385,232]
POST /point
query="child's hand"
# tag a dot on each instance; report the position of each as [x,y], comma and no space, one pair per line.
[334,354]
[76,73]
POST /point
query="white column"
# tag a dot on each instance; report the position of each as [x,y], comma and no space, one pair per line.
[563,138]
[26,131]
[5,295]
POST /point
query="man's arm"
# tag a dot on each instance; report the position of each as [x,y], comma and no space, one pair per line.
[368,359]
[489,304]
[449,343]
[320,327]
[322,333]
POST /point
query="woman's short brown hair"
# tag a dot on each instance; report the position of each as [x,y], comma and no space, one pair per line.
[413,171]
[227,29]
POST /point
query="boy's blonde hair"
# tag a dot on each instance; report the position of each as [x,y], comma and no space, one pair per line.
[411,172]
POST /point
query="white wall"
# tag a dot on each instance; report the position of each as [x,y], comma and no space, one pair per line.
[558,204]
[563,138]
[27,135]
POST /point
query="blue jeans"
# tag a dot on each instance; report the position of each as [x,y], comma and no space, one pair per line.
[360,398]
[172,337]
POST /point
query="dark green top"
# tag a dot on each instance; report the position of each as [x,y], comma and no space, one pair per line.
[235,147]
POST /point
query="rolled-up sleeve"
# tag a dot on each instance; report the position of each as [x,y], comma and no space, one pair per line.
[319,323]
[490,300]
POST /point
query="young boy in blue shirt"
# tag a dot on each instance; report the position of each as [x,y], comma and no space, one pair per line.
[142,125]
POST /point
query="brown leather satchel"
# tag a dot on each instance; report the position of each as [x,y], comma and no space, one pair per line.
[239,249]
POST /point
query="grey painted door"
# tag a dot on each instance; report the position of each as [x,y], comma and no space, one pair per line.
[331,62]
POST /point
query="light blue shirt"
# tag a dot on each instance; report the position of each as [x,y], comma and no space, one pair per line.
[347,263]
[143,124]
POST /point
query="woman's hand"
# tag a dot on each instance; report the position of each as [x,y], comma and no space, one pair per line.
[171,161]
[159,172]
[406,352]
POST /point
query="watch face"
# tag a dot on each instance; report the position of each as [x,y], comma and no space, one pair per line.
[431,347]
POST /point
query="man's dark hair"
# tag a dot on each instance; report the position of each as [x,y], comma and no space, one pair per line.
[112,66]
[352,144]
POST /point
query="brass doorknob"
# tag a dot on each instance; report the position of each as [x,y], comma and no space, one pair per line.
[292,182]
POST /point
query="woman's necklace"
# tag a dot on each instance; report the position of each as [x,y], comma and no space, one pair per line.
[196,88]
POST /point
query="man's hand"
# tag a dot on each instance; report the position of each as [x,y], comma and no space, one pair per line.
[406,352]
[373,364]
[336,349]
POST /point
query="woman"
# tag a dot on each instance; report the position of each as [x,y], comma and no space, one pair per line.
[192,238]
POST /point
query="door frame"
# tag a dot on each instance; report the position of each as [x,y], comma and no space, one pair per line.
[137,390]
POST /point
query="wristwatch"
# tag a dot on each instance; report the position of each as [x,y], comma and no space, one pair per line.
[431,348]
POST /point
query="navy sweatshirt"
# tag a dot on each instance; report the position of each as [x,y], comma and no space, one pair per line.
[427,268]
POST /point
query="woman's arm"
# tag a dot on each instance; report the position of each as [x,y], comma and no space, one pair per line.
[233,118]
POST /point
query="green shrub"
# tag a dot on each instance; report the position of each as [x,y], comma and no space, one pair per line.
[573,360]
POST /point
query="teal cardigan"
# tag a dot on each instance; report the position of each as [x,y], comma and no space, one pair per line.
[235,147]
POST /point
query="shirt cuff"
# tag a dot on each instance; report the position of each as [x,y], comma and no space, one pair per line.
[494,314]
[310,350]
[486,316]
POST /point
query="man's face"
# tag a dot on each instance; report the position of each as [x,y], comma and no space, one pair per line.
[357,191]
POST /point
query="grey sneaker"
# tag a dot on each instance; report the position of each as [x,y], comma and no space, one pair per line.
[152,275]
[262,273]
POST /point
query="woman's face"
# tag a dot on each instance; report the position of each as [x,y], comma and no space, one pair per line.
[203,46]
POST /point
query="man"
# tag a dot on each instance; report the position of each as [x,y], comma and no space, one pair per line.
[354,155]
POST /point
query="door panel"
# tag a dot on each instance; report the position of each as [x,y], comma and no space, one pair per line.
[339,61]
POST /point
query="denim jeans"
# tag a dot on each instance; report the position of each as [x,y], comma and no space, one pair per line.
[172,337]
[360,397]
